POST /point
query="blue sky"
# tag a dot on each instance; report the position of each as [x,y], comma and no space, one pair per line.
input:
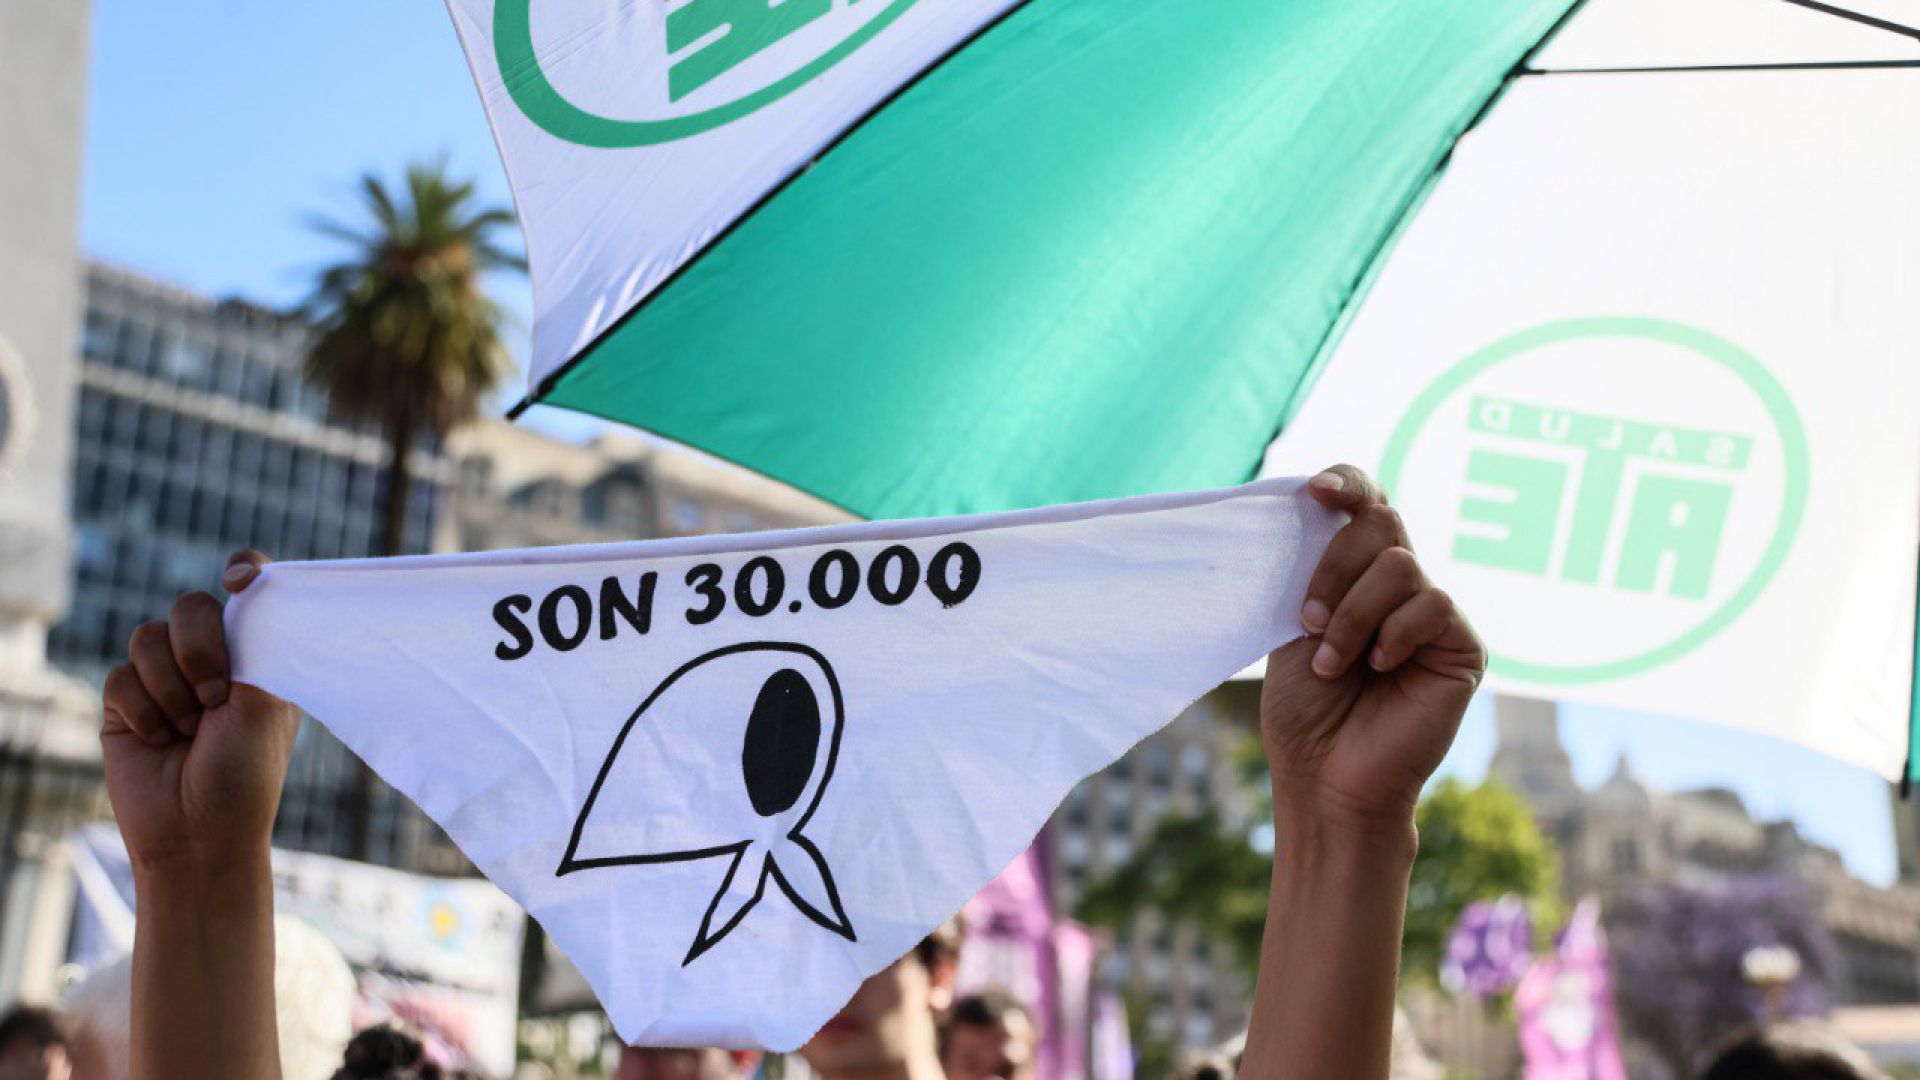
[216,127]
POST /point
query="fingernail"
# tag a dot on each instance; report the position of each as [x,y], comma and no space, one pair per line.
[212,693]
[1314,616]
[237,574]
[1328,481]
[1325,661]
[1378,659]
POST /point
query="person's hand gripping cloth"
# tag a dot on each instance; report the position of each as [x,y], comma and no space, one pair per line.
[733,776]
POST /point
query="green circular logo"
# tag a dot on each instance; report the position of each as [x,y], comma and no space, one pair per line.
[1613,506]
[545,105]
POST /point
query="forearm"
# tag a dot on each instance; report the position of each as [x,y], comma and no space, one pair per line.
[203,1002]
[1330,955]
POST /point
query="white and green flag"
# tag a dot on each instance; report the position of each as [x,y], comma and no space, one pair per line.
[1617,294]
[950,256]
[1643,373]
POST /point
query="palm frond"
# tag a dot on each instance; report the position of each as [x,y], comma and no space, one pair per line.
[404,328]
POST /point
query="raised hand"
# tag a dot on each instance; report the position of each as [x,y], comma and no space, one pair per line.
[1355,717]
[194,761]
[194,765]
[1358,714]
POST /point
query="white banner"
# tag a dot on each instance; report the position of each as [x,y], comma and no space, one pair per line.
[734,776]
[1643,374]
[635,131]
[439,956]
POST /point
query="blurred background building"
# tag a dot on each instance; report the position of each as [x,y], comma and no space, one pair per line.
[1185,983]
[47,723]
[195,435]
[1624,835]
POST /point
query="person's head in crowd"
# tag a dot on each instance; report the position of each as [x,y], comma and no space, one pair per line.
[666,1063]
[1799,1050]
[33,1045]
[939,953]
[888,1028]
[988,1036]
[385,1053]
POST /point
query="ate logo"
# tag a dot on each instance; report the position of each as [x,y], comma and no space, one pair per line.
[1575,495]
[670,70]
[1609,493]
[707,38]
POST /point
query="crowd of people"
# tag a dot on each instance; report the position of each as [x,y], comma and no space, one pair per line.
[904,1022]
[1355,716]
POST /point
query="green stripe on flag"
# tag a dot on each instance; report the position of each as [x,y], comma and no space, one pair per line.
[1912,776]
[1090,255]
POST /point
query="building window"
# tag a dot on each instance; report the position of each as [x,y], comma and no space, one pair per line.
[92,550]
[100,337]
[1198,1027]
[155,427]
[1074,849]
[1159,764]
[256,386]
[126,421]
[93,416]
[686,515]
[226,373]
[187,431]
[189,362]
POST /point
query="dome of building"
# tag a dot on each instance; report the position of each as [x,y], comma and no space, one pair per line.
[1623,793]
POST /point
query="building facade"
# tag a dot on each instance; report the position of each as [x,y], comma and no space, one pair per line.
[48,724]
[516,487]
[1624,834]
[195,435]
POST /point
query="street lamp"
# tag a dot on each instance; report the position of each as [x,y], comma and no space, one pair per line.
[1770,969]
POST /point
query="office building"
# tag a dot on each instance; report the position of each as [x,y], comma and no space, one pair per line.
[195,435]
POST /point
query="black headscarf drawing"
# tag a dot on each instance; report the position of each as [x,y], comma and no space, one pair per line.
[789,739]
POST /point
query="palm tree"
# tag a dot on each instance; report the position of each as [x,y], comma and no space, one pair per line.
[407,339]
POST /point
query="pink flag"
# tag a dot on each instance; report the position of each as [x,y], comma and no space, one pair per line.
[1014,942]
[1066,1044]
[1112,1050]
[1565,1002]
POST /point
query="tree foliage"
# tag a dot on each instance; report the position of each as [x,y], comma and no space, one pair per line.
[1476,843]
[408,339]
[1677,955]
[1193,870]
